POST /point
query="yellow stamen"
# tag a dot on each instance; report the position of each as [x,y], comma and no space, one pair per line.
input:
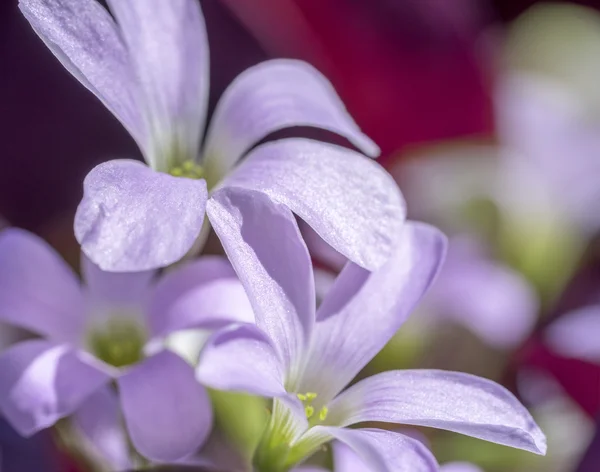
[309,410]
[323,413]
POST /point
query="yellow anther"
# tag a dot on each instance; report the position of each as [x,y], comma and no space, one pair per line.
[301,397]
[309,410]
[311,396]
[176,171]
[323,413]
[188,169]
[188,166]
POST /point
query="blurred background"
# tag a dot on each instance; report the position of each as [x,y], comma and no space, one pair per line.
[488,116]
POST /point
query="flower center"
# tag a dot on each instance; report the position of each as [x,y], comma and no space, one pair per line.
[188,169]
[118,342]
[307,399]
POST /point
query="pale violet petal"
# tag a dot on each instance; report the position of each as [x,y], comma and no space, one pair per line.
[169,50]
[363,310]
[576,334]
[273,95]
[42,382]
[38,290]
[459,467]
[263,243]
[85,39]
[204,293]
[241,358]
[453,401]
[98,420]
[133,219]
[349,200]
[167,413]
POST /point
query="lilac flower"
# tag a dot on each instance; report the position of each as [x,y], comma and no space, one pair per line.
[93,339]
[304,358]
[149,67]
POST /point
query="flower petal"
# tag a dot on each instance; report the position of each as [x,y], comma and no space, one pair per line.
[241,358]
[85,39]
[204,293]
[376,450]
[349,200]
[576,334]
[273,95]
[133,219]
[264,245]
[453,401]
[169,51]
[167,413]
[38,291]
[115,288]
[99,423]
[41,382]
[459,467]
[363,310]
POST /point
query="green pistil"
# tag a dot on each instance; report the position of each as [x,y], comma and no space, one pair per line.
[188,169]
[118,342]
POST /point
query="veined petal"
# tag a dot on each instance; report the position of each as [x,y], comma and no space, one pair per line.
[204,293]
[85,39]
[263,243]
[453,401]
[459,467]
[38,290]
[273,95]
[41,382]
[242,358]
[118,289]
[167,413]
[169,51]
[363,310]
[100,424]
[376,450]
[349,200]
[576,334]
[133,219]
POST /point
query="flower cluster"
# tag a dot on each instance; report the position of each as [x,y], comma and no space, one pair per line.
[102,356]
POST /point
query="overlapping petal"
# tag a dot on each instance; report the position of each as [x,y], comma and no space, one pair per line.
[363,310]
[264,245]
[204,293]
[242,358]
[169,52]
[376,450]
[453,401]
[350,201]
[41,382]
[576,334]
[38,291]
[270,96]
[167,413]
[85,39]
[134,219]
[459,467]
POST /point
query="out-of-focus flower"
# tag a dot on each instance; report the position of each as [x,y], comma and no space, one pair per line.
[591,459]
[303,358]
[95,334]
[150,69]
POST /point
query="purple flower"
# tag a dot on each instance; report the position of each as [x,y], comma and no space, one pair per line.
[92,341]
[576,334]
[149,67]
[304,358]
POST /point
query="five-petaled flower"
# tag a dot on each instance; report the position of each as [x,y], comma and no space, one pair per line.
[149,66]
[304,358]
[93,346]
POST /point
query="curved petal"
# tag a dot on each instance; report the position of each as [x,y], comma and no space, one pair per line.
[349,200]
[273,95]
[134,219]
[120,289]
[453,401]
[264,245]
[99,422]
[576,334]
[167,413]
[363,310]
[459,467]
[241,358]
[204,293]
[85,39]
[376,450]
[41,382]
[169,51]
[38,290]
